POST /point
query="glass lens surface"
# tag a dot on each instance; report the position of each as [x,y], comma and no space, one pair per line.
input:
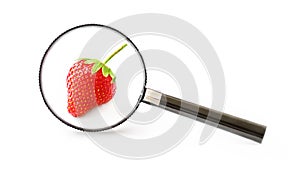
[82,93]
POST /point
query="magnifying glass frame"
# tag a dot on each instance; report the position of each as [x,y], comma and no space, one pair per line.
[235,125]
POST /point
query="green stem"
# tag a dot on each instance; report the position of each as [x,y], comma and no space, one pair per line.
[113,54]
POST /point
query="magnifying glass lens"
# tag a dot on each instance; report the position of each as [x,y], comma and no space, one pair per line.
[85,82]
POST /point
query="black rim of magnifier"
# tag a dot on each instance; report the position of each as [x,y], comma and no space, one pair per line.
[81,128]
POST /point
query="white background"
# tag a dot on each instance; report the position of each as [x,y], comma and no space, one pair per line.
[257,43]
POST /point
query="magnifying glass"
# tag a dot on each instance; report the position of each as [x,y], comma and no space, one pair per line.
[94,92]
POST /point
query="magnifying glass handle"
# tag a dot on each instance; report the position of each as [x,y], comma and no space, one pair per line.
[238,126]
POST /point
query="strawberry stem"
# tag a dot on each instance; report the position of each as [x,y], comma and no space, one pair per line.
[113,54]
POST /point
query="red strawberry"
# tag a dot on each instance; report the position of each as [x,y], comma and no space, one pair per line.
[90,83]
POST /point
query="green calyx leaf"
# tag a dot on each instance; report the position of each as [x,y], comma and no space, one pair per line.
[97,66]
[92,61]
[113,76]
[89,60]
[106,71]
